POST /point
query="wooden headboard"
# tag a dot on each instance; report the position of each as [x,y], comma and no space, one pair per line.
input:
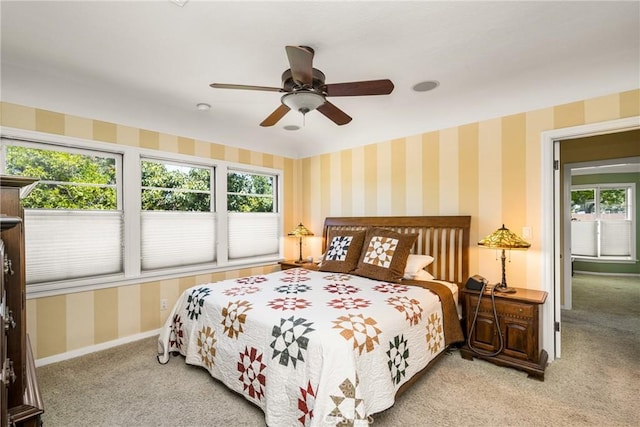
[445,238]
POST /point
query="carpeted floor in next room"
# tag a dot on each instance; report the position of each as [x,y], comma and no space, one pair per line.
[596,383]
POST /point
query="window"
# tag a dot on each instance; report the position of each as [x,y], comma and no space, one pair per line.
[247,192]
[75,204]
[175,187]
[253,218]
[602,224]
[105,215]
[177,218]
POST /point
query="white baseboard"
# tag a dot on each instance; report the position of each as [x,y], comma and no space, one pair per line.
[93,348]
[598,273]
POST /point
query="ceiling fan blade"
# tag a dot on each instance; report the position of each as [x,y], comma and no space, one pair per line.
[275,116]
[246,87]
[334,114]
[370,87]
[301,60]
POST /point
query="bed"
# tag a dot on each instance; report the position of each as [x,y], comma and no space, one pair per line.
[337,346]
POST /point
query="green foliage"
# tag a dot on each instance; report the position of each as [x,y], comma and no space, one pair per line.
[68,175]
[249,192]
[60,166]
[174,188]
[237,203]
[613,200]
[50,196]
[582,200]
[80,181]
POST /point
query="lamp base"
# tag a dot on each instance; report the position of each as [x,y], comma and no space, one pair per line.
[505,289]
[299,261]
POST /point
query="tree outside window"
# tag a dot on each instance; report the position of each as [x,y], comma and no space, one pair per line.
[173,187]
[67,180]
[250,192]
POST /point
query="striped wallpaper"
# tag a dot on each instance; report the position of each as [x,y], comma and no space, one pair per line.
[489,170]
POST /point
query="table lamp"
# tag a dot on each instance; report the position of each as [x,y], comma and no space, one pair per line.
[300,231]
[503,239]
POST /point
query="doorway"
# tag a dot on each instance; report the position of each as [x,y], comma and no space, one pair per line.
[599,206]
[553,255]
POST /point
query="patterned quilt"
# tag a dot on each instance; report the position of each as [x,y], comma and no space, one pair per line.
[310,348]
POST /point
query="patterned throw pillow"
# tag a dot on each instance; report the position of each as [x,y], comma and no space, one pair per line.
[343,251]
[384,254]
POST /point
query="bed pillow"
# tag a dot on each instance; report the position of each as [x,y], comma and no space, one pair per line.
[384,254]
[415,264]
[343,251]
[423,275]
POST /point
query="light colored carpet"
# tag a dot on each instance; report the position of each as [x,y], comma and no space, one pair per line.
[596,383]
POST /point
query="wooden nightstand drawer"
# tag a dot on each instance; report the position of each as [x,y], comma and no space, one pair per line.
[516,309]
[506,308]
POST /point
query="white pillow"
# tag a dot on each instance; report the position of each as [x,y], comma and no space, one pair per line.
[416,263]
[423,275]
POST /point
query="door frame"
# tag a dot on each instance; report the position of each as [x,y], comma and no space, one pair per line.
[551,217]
[566,218]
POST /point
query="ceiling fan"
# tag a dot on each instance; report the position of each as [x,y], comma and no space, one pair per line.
[305,90]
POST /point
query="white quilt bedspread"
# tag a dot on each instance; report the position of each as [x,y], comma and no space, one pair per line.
[310,348]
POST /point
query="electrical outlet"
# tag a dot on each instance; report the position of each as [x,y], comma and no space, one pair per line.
[163,304]
[526,232]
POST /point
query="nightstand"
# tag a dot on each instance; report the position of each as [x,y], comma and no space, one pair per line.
[518,320]
[287,264]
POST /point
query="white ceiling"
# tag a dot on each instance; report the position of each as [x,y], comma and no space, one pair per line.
[147,64]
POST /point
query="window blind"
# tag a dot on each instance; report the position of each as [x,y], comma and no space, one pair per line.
[172,239]
[70,244]
[615,238]
[253,234]
[584,238]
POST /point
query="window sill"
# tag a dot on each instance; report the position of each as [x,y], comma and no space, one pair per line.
[609,260]
[49,289]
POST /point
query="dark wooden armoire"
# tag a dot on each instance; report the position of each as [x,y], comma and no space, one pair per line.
[21,403]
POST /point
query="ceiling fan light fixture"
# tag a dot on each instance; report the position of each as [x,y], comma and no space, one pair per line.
[303,101]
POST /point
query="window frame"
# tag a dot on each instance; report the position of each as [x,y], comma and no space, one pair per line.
[630,189]
[73,150]
[129,199]
[275,212]
[212,179]
[274,195]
